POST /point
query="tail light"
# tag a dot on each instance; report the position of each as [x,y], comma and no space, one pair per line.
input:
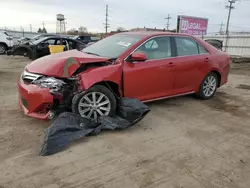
[229,59]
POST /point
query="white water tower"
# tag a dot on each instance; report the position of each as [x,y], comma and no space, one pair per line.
[60,24]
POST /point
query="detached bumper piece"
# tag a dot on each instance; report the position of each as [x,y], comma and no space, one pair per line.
[69,127]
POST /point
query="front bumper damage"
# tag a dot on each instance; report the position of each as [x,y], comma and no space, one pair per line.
[40,95]
[34,101]
[44,97]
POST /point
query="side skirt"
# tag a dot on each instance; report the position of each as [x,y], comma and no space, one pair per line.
[167,97]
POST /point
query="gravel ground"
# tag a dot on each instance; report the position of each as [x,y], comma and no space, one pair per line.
[182,143]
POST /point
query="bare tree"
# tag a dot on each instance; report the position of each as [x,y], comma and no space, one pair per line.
[120,28]
[83,29]
[72,32]
[39,30]
[44,30]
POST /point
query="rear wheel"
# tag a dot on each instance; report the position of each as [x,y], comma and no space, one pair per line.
[3,48]
[208,86]
[95,102]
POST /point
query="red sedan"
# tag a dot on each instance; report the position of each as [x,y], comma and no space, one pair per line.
[144,65]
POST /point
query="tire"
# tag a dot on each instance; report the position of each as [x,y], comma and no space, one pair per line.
[3,48]
[211,83]
[80,104]
[26,52]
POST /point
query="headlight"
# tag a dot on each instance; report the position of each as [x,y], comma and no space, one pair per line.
[55,85]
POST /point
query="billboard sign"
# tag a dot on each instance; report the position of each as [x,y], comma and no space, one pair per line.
[192,25]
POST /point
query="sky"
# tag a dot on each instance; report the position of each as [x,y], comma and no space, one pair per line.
[15,14]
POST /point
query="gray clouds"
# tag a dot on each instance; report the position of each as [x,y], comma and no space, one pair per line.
[129,13]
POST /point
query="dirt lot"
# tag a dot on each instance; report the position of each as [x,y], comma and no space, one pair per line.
[182,143]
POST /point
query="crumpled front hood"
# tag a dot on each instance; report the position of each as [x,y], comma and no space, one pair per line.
[62,65]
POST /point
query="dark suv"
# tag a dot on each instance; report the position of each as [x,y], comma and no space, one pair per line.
[86,38]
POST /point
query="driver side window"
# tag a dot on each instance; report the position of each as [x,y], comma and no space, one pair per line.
[156,48]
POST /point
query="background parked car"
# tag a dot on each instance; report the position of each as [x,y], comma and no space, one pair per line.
[216,43]
[6,42]
[40,48]
[86,38]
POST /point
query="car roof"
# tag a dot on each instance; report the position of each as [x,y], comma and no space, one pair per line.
[56,37]
[151,33]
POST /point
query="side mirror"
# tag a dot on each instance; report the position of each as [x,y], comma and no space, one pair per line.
[138,56]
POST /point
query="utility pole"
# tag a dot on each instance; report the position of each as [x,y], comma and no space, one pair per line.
[106,19]
[221,28]
[229,7]
[168,22]
[30,28]
[43,23]
[22,30]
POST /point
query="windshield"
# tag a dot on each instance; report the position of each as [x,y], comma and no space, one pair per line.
[113,46]
[74,37]
[38,41]
[36,37]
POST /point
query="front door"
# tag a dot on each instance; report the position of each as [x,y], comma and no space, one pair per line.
[43,47]
[152,78]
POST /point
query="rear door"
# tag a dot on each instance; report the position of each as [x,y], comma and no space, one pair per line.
[152,78]
[190,64]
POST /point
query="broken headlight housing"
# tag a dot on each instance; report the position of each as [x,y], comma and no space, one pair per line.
[55,85]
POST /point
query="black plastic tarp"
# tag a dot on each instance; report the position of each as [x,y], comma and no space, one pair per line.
[68,126]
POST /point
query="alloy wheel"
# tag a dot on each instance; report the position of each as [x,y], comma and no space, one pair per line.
[93,105]
[2,49]
[209,86]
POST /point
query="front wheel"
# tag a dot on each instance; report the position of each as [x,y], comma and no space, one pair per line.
[95,102]
[3,49]
[208,86]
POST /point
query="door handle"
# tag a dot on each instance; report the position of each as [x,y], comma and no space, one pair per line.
[206,59]
[170,64]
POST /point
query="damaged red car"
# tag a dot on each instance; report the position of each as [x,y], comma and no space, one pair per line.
[144,65]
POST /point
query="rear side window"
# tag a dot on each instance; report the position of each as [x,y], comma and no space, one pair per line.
[186,46]
[202,50]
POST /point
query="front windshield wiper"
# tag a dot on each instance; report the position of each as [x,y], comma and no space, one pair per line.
[91,53]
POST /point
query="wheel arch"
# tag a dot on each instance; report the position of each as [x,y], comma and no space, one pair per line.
[5,44]
[21,48]
[29,51]
[114,87]
[218,74]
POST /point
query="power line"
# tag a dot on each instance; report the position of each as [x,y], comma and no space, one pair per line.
[106,19]
[168,18]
